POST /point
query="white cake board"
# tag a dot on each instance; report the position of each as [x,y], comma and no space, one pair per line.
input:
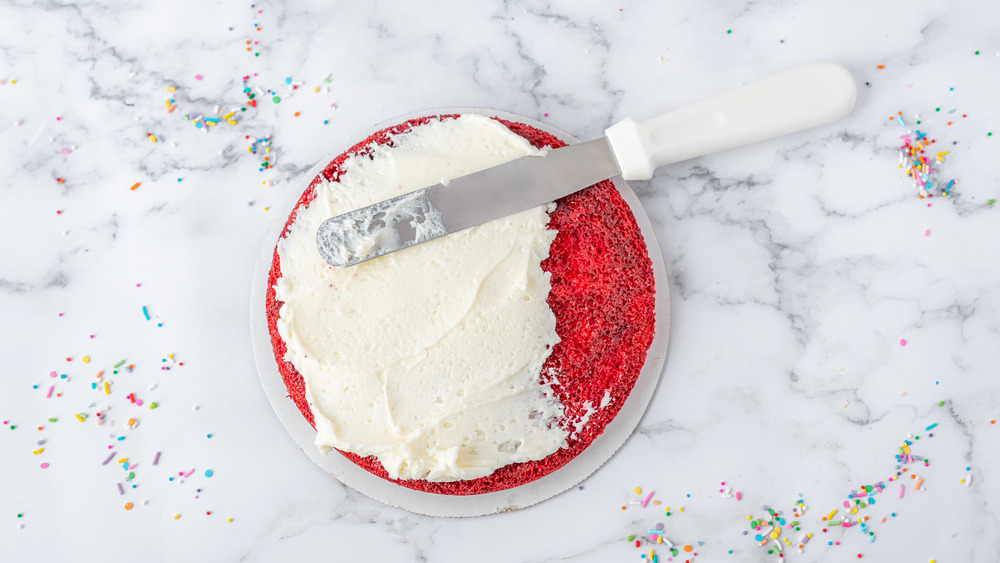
[566,477]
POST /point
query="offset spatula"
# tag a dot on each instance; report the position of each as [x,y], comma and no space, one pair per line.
[804,97]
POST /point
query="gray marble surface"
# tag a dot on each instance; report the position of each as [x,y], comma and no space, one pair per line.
[798,267]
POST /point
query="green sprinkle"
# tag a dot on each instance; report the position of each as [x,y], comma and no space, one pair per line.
[19,515]
[989,133]
[918,122]
[152,405]
[12,427]
[991,201]
[630,538]
[977,52]
[730,31]
[53,419]
[120,362]
[276,100]
[941,404]
[937,109]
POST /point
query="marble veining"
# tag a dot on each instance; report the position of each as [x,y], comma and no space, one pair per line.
[797,269]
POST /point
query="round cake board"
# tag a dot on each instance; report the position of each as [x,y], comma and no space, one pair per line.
[431,504]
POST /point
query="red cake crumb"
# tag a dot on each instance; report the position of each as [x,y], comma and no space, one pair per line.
[602,296]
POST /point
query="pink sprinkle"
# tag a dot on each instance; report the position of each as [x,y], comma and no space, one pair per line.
[58,119]
[91,335]
[44,466]
[198,77]
[138,402]
[739,495]
[645,501]
[65,151]
[847,504]
[900,491]
[846,524]
[188,474]
[49,394]
[927,233]
[902,342]
[53,374]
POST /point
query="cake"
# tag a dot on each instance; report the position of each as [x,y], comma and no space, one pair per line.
[600,295]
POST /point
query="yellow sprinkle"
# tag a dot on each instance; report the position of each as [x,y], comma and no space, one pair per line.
[38,451]
[659,539]
[809,535]
[166,103]
[266,208]
[176,516]
[961,480]
[79,417]
[854,510]
[170,355]
[230,520]
[107,388]
[680,508]
[231,122]
[228,115]
[210,123]
[749,517]
[637,491]
[316,89]
[152,138]
[122,460]
[86,359]
[269,150]
[171,88]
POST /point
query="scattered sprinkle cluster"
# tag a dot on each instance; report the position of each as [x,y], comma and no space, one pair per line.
[770,529]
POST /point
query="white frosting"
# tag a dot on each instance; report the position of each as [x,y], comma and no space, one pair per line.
[427,358]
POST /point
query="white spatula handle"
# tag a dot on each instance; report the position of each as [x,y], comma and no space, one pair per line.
[798,99]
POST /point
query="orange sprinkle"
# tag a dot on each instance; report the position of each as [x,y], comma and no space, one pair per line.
[880,67]
[128,506]
[687,548]
[135,185]
[949,123]
[623,508]
[296,114]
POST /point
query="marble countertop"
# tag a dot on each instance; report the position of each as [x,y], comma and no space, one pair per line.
[822,313]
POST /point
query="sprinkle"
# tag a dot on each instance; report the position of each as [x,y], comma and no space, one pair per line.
[902,342]
[49,393]
[121,491]
[107,388]
[44,466]
[135,185]
[145,313]
[645,501]
[120,362]
[208,473]
[107,459]
[930,426]
[80,417]
[85,359]
[128,506]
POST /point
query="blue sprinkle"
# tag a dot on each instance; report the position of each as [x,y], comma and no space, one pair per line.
[288,80]
[208,473]
[159,324]
[120,438]
[36,387]
[893,515]
[325,121]
[170,478]
[145,313]
[63,376]
[208,435]
[758,537]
